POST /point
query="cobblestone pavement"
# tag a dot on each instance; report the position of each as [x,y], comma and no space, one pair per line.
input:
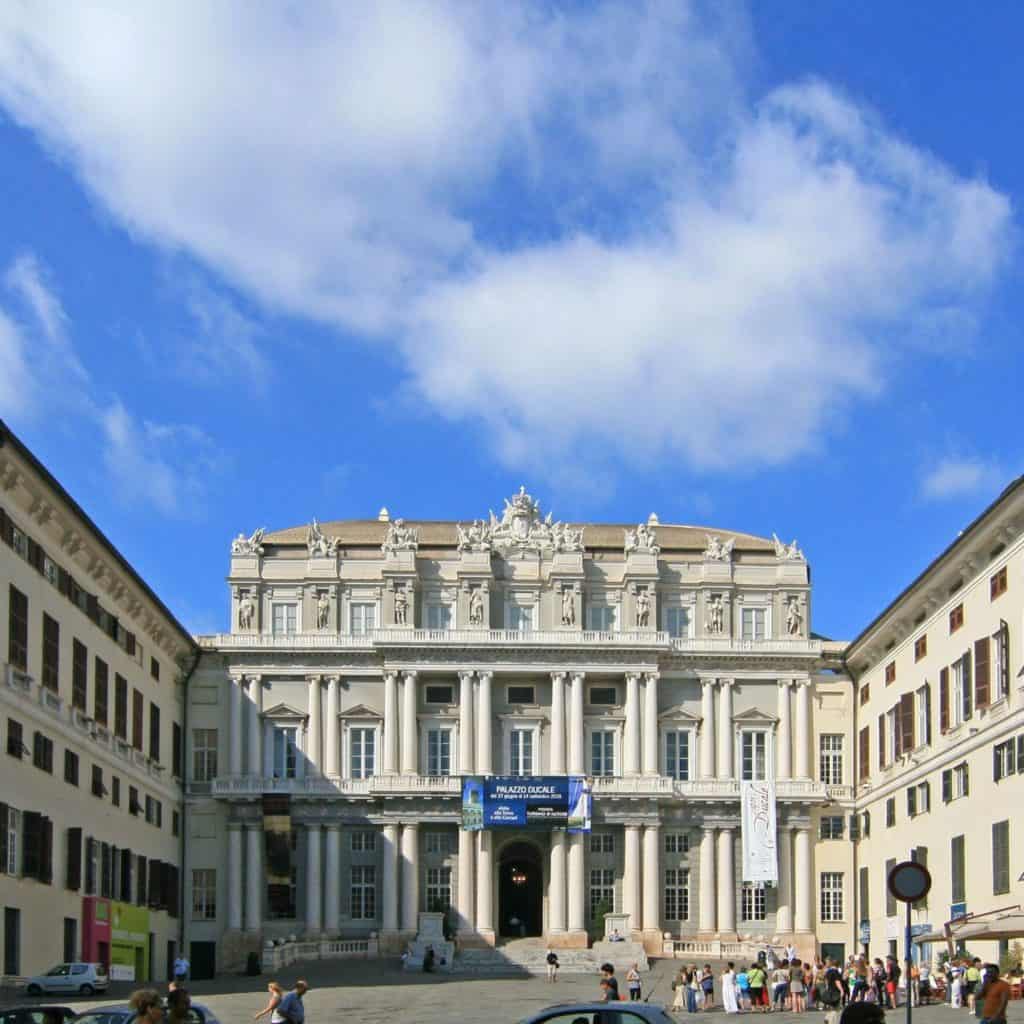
[378,991]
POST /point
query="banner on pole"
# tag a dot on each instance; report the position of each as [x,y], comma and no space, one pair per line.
[757,830]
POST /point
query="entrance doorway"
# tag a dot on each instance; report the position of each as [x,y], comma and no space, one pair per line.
[203,957]
[520,891]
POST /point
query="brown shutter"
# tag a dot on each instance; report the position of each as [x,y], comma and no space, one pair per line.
[981,673]
[74,866]
[4,815]
[881,741]
[865,753]
[31,832]
[46,851]
[907,722]
[944,700]
[898,725]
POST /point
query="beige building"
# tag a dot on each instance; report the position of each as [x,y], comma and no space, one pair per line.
[940,732]
[91,713]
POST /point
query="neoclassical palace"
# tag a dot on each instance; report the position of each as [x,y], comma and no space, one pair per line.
[372,664]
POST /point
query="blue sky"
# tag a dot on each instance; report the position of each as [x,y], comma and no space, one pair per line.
[753,267]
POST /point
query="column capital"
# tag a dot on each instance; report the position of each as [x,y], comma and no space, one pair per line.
[314,677]
[708,681]
[333,826]
[235,826]
[483,674]
[237,678]
[391,673]
[313,826]
[410,673]
[652,825]
[558,675]
[784,684]
[652,677]
[630,675]
[726,682]
[801,683]
[579,675]
[466,673]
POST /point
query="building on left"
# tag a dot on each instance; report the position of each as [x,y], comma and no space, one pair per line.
[91,712]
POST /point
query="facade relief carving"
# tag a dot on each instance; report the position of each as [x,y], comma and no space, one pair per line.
[400,538]
[318,545]
[641,540]
[519,530]
[787,552]
[252,545]
[718,550]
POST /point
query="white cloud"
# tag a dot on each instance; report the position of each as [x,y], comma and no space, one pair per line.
[955,477]
[16,381]
[575,226]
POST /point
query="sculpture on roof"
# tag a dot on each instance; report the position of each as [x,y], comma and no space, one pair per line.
[520,529]
[318,545]
[641,540]
[717,549]
[794,616]
[253,545]
[787,552]
[400,538]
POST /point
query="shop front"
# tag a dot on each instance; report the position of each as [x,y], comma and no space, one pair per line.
[116,934]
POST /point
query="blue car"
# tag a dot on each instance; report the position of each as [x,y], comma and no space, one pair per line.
[601,1013]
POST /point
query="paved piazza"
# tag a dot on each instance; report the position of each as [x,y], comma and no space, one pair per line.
[380,991]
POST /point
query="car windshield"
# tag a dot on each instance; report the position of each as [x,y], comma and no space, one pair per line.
[59,969]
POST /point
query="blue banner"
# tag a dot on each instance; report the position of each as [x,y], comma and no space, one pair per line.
[500,801]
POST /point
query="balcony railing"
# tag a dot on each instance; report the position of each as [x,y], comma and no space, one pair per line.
[735,645]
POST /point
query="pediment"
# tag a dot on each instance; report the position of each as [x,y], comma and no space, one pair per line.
[360,711]
[284,711]
[755,716]
[679,713]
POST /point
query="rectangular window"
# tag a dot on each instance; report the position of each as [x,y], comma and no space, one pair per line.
[154,732]
[175,823]
[830,759]
[602,752]
[17,629]
[602,891]
[176,750]
[204,754]
[754,623]
[521,752]
[363,892]
[864,756]
[960,696]
[961,781]
[98,789]
[919,799]
[439,694]
[958,891]
[1001,663]
[754,747]
[439,751]
[832,827]
[138,715]
[1000,858]
[956,618]
[115,790]
[890,812]
[1004,760]
[79,675]
[363,753]
[522,695]
[923,703]
[890,673]
[204,894]
[439,843]
[12,843]
[892,735]
[51,653]
[283,618]
[439,890]
[42,752]
[679,622]
[154,669]
[677,753]
[602,842]
[677,843]
[677,894]
[364,841]
[864,895]
[831,896]
[520,618]
[438,616]
[752,902]
[100,691]
[70,767]
[865,694]
[285,752]
[602,696]
[921,647]
[15,739]
[601,618]
[120,706]
[997,584]
[134,807]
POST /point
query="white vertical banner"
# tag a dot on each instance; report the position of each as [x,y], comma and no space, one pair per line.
[760,848]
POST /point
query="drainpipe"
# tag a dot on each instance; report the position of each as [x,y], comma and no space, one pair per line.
[183,832]
[855,744]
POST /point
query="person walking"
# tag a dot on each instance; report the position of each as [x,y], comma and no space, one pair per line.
[730,993]
[633,983]
[743,987]
[276,994]
[694,994]
[609,983]
[181,969]
[552,961]
[994,996]
[290,1010]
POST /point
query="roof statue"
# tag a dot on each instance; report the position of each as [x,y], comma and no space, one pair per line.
[641,540]
[253,545]
[717,549]
[788,552]
[400,538]
[318,545]
[521,529]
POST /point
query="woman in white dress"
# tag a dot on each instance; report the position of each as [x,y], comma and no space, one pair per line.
[729,995]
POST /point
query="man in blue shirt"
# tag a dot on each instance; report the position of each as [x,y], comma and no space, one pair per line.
[290,1008]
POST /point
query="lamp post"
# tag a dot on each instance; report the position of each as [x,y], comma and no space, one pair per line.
[909,882]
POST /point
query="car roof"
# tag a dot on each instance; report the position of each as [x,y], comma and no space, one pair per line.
[634,1006]
[127,1008]
[35,1006]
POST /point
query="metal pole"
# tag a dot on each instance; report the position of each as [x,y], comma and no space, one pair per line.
[909,986]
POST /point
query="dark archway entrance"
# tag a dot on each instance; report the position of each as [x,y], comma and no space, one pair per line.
[520,891]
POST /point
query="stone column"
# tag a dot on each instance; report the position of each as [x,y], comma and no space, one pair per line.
[803,883]
[726,882]
[556,883]
[784,747]
[255,725]
[707,729]
[631,878]
[557,758]
[314,877]
[784,910]
[484,731]
[410,764]
[332,880]
[631,737]
[389,878]
[332,744]
[410,877]
[651,724]
[237,726]
[708,919]
[577,884]
[253,878]
[725,738]
[802,747]
[652,878]
[484,883]
[467,879]
[576,730]
[234,876]
[314,748]
[390,723]
[465,727]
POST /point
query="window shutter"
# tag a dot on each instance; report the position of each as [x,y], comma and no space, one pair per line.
[947,786]
[126,876]
[90,870]
[927,738]
[1020,754]
[854,827]
[4,819]
[865,753]
[997,763]
[141,890]
[967,781]
[881,741]
[31,822]
[173,893]
[911,801]
[968,693]
[155,883]
[898,728]
[73,877]
[907,723]
[866,824]
[106,871]
[981,673]
[46,851]
[944,700]
[1004,656]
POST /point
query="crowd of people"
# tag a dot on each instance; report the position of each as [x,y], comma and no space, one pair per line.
[152,1008]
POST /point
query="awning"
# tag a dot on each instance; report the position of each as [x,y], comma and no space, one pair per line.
[929,937]
[1006,926]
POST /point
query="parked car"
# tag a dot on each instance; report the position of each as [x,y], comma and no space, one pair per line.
[600,1013]
[122,1013]
[34,1013]
[74,977]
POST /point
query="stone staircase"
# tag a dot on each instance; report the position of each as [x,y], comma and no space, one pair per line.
[529,957]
